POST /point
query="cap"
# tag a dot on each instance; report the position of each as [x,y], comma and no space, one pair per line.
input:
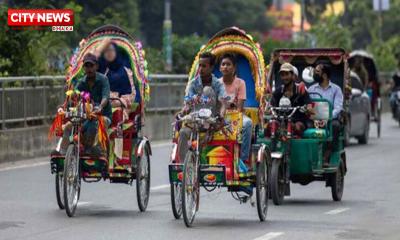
[295,71]
[286,67]
[89,57]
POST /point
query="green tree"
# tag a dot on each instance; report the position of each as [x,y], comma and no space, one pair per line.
[204,18]
[331,33]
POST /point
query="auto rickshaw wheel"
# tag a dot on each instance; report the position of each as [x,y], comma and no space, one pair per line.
[143,180]
[277,182]
[337,183]
[190,189]
[363,139]
[176,200]
[60,190]
[71,180]
[262,189]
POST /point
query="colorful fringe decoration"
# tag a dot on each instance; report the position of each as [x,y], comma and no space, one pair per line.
[56,126]
[236,40]
[102,132]
[125,43]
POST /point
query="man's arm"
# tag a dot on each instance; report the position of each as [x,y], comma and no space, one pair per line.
[337,103]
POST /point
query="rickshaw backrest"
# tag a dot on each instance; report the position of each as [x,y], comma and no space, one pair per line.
[322,108]
[244,72]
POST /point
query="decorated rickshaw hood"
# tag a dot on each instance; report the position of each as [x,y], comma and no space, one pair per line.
[335,55]
[125,42]
[236,40]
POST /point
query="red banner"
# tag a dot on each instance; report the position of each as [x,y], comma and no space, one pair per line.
[40,17]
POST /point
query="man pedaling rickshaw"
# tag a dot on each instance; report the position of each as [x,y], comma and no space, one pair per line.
[97,85]
[205,84]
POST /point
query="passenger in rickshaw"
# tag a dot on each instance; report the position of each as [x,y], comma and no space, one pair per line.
[395,85]
[334,95]
[203,84]
[119,74]
[96,84]
[297,95]
[236,91]
[361,71]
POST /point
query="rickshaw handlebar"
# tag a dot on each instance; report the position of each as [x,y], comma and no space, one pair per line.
[292,110]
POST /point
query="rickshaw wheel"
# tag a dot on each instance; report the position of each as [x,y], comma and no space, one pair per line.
[262,190]
[176,200]
[143,180]
[190,189]
[277,182]
[71,180]
[337,183]
[60,190]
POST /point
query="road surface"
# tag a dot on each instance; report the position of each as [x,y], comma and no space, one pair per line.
[370,208]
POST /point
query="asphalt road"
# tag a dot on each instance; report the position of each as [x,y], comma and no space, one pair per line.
[369,209]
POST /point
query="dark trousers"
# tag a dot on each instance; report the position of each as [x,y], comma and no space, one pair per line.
[335,133]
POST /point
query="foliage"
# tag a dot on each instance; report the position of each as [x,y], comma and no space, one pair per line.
[330,32]
[185,49]
[204,18]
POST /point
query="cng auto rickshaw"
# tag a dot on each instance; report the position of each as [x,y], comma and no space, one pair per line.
[126,152]
[299,159]
[372,83]
[213,158]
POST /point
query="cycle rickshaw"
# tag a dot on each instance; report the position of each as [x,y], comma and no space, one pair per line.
[213,163]
[126,152]
[373,85]
[299,159]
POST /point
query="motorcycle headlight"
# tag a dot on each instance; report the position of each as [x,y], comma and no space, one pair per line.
[285,102]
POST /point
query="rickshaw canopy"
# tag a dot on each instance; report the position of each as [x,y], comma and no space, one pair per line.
[250,61]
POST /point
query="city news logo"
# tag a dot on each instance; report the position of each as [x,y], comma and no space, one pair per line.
[60,20]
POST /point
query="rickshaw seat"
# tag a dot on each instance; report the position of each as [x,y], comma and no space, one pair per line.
[236,120]
[323,111]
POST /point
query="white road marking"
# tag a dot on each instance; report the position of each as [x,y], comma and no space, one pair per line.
[337,211]
[83,203]
[159,187]
[24,166]
[18,165]
[270,236]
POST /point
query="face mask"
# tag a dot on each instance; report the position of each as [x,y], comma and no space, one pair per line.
[317,78]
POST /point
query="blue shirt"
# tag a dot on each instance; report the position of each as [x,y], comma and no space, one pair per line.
[195,87]
[332,93]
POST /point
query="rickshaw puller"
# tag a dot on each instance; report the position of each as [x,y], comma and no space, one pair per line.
[98,86]
[204,84]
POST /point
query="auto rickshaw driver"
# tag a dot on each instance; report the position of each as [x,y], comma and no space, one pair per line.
[296,93]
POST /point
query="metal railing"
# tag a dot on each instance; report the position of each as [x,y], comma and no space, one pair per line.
[33,100]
